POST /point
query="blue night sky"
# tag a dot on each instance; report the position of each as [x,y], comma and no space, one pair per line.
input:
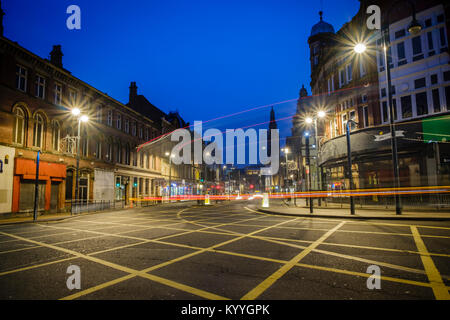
[205,59]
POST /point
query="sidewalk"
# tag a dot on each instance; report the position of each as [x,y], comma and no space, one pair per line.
[372,213]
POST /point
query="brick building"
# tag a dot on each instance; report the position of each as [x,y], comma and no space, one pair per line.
[36,99]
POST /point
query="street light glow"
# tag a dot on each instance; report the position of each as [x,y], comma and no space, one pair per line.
[76,111]
[308,120]
[360,48]
[84,118]
[321,114]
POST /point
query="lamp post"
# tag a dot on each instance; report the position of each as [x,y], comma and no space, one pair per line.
[81,118]
[286,151]
[413,28]
[306,134]
[309,120]
[170,173]
[349,164]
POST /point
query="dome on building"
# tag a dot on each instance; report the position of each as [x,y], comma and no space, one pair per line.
[321,27]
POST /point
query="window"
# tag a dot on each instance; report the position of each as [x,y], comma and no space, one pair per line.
[384,111]
[349,72]
[73,97]
[430,43]
[406,107]
[56,135]
[364,98]
[110,117]
[383,92]
[434,79]
[127,154]
[98,149]
[365,110]
[119,121]
[118,153]
[127,126]
[436,100]
[19,126]
[352,116]
[442,38]
[440,18]
[135,158]
[133,129]
[99,113]
[421,103]
[141,160]
[428,23]
[147,137]
[344,122]
[141,132]
[38,131]
[419,83]
[417,48]
[40,87]
[85,144]
[58,94]
[316,60]
[329,86]
[362,68]
[447,76]
[341,78]
[447,97]
[401,53]
[21,78]
[109,151]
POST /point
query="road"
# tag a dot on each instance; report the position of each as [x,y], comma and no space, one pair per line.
[223,251]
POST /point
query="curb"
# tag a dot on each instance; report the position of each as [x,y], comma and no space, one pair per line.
[356,217]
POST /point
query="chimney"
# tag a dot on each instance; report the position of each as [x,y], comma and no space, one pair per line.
[2,13]
[56,56]
[133,93]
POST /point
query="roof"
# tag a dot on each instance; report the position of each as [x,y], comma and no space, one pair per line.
[321,27]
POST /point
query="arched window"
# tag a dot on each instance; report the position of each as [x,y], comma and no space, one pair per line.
[109,152]
[127,154]
[38,139]
[118,153]
[84,143]
[56,135]
[19,126]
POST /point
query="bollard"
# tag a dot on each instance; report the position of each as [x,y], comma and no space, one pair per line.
[265,200]
[207,202]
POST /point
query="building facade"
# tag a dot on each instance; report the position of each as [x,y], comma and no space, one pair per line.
[351,86]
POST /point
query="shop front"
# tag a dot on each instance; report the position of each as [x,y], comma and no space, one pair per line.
[51,186]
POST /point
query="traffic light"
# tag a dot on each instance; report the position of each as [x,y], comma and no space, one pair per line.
[252,186]
[118,182]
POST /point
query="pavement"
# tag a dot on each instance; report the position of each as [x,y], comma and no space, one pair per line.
[225,251]
[335,211]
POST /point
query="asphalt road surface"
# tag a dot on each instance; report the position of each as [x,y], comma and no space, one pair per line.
[223,251]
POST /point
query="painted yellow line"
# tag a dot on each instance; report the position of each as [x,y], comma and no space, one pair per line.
[263,286]
[439,289]
[104,285]
[366,275]
[36,266]
[167,282]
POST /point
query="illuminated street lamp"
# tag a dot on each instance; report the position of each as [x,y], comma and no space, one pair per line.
[170,172]
[81,118]
[309,120]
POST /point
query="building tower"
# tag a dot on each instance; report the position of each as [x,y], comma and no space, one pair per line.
[320,38]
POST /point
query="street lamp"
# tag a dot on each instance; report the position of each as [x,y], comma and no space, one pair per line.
[414,28]
[170,172]
[309,120]
[286,151]
[349,164]
[306,134]
[83,118]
